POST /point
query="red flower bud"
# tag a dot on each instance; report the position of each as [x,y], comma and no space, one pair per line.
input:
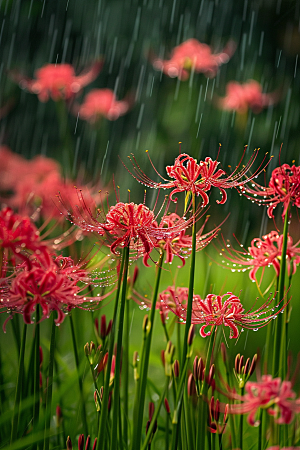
[167,406]
[81,442]
[103,327]
[69,443]
[191,387]
[176,368]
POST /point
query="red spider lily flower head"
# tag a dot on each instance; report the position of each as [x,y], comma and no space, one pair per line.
[198,178]
[51,283]
[193,55]
[57,81]
[284,187]
[171,237]
[18,233]
[272,394]
[241,97]
[264,253]
[102,102]
[216,310]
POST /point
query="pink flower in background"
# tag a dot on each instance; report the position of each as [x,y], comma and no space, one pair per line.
[264,253]
[57,81]
[249,95]
[272,394]
[216,310]
[198,178]
[193,55]
[284,187]
[102,103]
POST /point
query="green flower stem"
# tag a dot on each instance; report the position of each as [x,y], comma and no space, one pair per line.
[19,388]
[125,370]
[191,289]
[82,402]
[178,326]
[202,406]
[145,363]
[50,384]
[65,135]
[104,405]
[188,422]
[241,423]
[279,352]
[36,386]
[116,392]
[155,415]
[178,402]
[260,430]
[16,331]
[231,416]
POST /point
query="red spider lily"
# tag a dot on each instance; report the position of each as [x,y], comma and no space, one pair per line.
[193,55]
[272,394]
[284,187]
[264,253]
[57,81]
[216,310]
[241,97]
[51,283]
[102,102]
[214,415]
[198,178]
[18,233]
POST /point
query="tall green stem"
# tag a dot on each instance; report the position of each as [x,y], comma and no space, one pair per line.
[82,402]
[279,353]
[104,406]
[241,423]
[125,369]
[36,392]
[19,387]
[50,384]
[116,393]
[144,367]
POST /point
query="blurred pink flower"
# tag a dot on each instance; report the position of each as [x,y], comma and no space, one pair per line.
[263,253]
[284,187]
[216,310]
[193,55]
[102,102]
[57,81]
[198,178]
[241,97]
[272,394]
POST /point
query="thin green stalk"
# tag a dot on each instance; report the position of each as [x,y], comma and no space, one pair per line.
[36,387]
[116,393]
[82,402]
[15,323]
[279,352]
[179,325]
[213,441]
[19,388]
[125,370]
[191,289]
[155,415]
[241,423]
[176,416]
[260,430]
[50,384]
[104,406]
[144,367]
[188,422]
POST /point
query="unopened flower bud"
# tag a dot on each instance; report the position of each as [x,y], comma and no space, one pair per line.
[87,349]
[109,327]
[103,327]
[151,410]
[87,444]
[176,368]
[145,323]
[241,364]
[81,442]
[217,410]
[69,443]
[147,426]
[191,335]
[162,355]
[237,363]
[211,375]
[191,387]
[162,317]
[195,368]
[253,365]
[223,352]
[167,406]
[200,369]
[95,444]
[96,399]
[247,366]
[58,416]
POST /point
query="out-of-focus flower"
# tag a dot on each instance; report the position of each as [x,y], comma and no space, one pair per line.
[193,55]
[57,81]
[272,394]
[216,310]
[47,282]
[249,95]
[263,253]
[284,187]
[198,178]
[215,426]
[102,103]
